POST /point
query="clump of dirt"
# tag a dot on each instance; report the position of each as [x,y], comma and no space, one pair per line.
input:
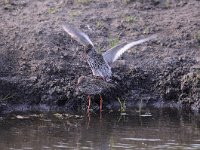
[40,64]
[190,84]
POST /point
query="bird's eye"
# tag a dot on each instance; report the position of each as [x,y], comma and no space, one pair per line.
[88,48]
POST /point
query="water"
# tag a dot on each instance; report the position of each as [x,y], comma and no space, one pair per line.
[157,129]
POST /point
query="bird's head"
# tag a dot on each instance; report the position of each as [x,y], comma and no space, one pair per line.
[88,48]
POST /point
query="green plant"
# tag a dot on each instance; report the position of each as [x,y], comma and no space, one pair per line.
[84,2]
[197,36]
[100,50]
[130,19]
[122,105]
[74,14]
[146,30]
[126,1]
[7,97]
[99,24]
[53,10]
[167,4]
[113,42]
[140,106]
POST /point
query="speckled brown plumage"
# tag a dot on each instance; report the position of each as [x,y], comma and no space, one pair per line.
[100,63]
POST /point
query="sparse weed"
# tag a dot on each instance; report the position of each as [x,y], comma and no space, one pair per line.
[146,30]
[7,97]
[130,19]
[140,106]
[126,1]
[156,2]
[99,50]
[113,42]
[167,4]
[197,36]
[99,24]
[84,2]
[73,14]
[53,10]
[122,105]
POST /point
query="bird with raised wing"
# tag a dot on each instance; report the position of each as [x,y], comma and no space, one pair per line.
[100,64]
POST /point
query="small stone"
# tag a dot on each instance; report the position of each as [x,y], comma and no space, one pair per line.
[33,78]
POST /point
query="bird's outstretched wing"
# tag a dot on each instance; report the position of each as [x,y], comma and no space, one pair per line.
[114,53]
[108,55]
[77,34]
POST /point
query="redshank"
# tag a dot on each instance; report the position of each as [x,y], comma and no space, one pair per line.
[100,64]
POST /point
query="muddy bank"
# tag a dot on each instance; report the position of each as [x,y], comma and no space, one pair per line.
[40,64]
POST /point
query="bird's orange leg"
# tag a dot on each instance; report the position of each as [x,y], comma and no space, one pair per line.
[101,103]
[89,103]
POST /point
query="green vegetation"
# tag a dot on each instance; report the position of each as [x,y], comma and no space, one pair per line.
[7,97]
[74,14]
[197,36]
[53,10]
[100,50]
[99,24]
[130,19]
[167,4]
[113,41]
[122,105]
[146,30]
[84,2]
[126,1]
[140,106]
[191,81]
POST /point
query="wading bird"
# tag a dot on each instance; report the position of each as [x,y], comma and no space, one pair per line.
[100,64]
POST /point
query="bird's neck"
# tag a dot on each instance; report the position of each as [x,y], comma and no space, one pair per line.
[88,48]
[91,52]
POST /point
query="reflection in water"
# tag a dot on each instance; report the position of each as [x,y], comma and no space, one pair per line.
[164,129]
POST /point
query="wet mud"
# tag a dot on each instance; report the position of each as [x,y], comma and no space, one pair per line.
[40,64]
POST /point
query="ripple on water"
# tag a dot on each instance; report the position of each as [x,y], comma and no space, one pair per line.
[168,130]
[141,139]
[62,146]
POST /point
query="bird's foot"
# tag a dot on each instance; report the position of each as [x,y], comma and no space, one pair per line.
[101,103]
[102,78]
[99,77]
[89,103]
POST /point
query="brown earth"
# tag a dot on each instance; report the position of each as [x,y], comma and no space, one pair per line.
[40,64]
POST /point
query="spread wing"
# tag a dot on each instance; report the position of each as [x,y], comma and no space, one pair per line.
[114,53]
[77,34]
[108,55]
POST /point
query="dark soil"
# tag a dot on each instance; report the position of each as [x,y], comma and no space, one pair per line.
[40,64]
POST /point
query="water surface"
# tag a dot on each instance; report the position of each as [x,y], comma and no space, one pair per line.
[157,129]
